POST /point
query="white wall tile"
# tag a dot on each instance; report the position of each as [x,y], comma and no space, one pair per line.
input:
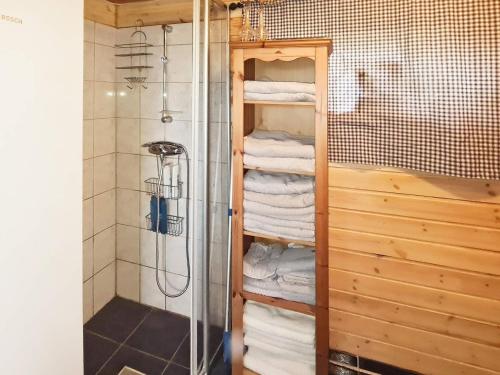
[128,136]
[145,205]
[105,35]
[180,132]
[88,300]
[148,249]
[104,287]
[127,101]
[87,256]
[154,35]
[179,100]
[151,131]
[128,280]
[179,305]
[148,170]
[151,101]
[88,100]
[150,294]
[104,136]
[88,178]
[88,139]
[128,171]
[104,248]
[104,173]
[128,207]
[88,31]
[104,210]
[182,33]
[104,100]
[88,61]
[88,218]
[104,63]
[127,243]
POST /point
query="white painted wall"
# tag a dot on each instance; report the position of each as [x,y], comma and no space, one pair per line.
[41,187]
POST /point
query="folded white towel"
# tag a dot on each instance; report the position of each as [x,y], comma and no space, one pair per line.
[281,97]
[278,222]
[279,144]
[277,231]
[261,260]
[271,339]
[281,200]
[278,183]
[306,214]
[270,287]
[305,278]
[275,348]
[287,164]
[264,363]
[284,323]
[296,260]
[271,87]
[298,288]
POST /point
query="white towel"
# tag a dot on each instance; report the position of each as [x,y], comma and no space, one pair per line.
[284,323]
[306,214]
[298,165]
[270,287]
[280,97]
[264,363]
[277,231]
[271,339]
[297,288]
[305,277]
[261,260]
[278,183]
[281,200]
[270,87]
[274,347]
[278,222]
[295,260]
[279,144]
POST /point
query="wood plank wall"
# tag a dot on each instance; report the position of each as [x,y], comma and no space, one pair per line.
[415,269]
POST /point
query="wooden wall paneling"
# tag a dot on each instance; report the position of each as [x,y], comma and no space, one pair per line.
[417,229]
[472,307]
[100,11]
[415,184]
[447,210]
[403,357]
[423,341]
[416,317]
[470,283]
[462,258]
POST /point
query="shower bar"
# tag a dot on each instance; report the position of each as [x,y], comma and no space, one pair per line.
[165,116]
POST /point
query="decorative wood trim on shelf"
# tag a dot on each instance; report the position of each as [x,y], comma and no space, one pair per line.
[287,171]
[286,43]
[288,104]
[279,302]
[279,239]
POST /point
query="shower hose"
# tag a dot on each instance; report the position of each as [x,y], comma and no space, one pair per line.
[160,164]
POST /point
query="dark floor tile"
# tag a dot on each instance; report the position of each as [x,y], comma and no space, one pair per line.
[219,368]
[183,357]
[174,369]
[136,360]
[160,334]
[96,351]
[117,319]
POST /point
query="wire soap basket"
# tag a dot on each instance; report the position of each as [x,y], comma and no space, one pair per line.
[135,57]
[174,225]
[173,192]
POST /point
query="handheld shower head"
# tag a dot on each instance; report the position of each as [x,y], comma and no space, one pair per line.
[164,148]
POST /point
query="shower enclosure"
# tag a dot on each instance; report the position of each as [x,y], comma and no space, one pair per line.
[167,91]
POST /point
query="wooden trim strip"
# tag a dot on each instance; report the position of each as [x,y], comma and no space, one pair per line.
[280,303]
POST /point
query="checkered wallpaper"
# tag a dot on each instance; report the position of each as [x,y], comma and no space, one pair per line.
[413,83]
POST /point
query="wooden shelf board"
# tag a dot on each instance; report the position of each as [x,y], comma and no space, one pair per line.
[248,372]
[287,171]
[279,239]
[281,303]
[267,102]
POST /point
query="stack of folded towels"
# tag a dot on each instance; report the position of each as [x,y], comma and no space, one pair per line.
[279,342]
[279,150]
[276,271]
[280,91]
[279,205]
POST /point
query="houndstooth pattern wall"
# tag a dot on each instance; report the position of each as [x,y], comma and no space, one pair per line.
[412,83]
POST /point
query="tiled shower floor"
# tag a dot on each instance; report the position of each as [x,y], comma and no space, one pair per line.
[152,341]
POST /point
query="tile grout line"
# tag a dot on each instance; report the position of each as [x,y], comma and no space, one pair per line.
[123,343]
[176,351]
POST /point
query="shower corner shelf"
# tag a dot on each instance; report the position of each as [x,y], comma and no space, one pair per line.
[173,192]
[174,225]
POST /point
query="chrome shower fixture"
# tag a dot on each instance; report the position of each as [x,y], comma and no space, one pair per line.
[166,116]
[164,148]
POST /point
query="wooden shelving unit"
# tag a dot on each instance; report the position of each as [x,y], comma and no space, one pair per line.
[244,57]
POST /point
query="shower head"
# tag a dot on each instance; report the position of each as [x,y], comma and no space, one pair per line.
[164,148]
